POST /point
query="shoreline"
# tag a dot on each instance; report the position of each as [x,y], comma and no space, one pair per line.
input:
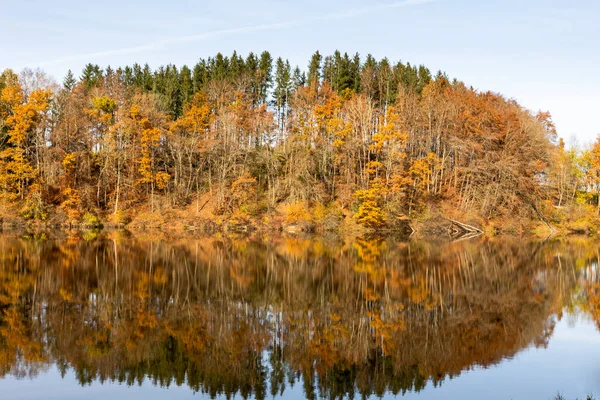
[440,228]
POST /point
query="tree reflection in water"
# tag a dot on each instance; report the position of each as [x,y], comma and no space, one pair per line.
[249,317]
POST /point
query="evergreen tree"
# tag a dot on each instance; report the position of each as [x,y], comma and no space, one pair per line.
[186,85]
[441,75]
[166,84]
[251,64]
[385,83]
[342,72]
[328,70]
[399,74]
[220,68]
[265,69]
[411,77]
[173,93]
[338,72]
[355,73]
[283,88]
[314,70]
[200,75]
[69,81]
[127,76]
[147,78]
[159,80]
[109,73]
[370,62]
[299,78]
[423,78]
[252,71]
[91,76]
[137,76]
[236,66]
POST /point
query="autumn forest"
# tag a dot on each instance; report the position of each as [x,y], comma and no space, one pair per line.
[250,142]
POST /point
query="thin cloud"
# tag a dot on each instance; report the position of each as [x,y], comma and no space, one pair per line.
[163,43]
[374,8]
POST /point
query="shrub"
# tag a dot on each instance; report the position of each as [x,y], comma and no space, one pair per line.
[91,220]
[34,208]
[297,214]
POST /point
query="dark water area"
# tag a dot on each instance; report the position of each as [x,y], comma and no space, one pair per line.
[118,316]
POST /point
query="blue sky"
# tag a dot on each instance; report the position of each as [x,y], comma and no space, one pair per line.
[543,53]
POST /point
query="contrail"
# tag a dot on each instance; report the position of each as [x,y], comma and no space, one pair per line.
[160,44]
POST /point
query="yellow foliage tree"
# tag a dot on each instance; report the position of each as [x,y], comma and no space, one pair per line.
[370,213]
[22,116]
[150,137]
[594,171]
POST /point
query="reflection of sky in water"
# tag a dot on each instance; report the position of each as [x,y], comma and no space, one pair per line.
[571,364]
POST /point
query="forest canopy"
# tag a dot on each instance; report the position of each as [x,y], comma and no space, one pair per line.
[252,141]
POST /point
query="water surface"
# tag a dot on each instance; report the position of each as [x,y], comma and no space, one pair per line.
[140,317]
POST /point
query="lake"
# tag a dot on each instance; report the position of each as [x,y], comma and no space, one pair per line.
[122,316]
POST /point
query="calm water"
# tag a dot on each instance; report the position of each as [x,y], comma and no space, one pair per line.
[124,317]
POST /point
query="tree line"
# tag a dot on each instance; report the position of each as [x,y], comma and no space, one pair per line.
[252,140]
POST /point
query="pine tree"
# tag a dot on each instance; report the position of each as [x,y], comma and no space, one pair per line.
[200,75]
[69,81]
[127,76]
[221,67]
[337,71]
[91,76]
[385,83]
[411,77]
[343,79]
[399,72]
[328,70]
[251,63]
[137,76]
[236,66]
[299,78]
[147,80]
[423,78]
[171,91]
[314,70]
[109,73]
[252,71]
[265,69]
[186,85]
[283,88]
[355,73]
